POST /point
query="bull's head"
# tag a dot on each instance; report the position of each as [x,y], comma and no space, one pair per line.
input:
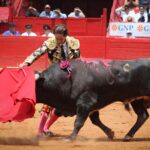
[121,72]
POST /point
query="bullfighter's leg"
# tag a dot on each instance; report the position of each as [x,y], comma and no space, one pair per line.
[43,118]
[54,115]
[96,121]
[84,104]
[142,116]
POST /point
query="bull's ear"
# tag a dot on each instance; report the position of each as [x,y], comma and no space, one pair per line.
[38,77]
[40,80]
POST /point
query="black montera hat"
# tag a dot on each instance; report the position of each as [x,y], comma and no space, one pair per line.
[12,24]
[28,26]
[46,27]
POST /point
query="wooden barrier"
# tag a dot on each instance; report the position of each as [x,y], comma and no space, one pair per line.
[82,26]
[123,48]
[13,50]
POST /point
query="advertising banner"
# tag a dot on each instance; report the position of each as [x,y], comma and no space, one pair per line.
[137,29]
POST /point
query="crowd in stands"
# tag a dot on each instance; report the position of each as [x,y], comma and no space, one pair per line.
[56,13]
[28,31]
[133,12]
[47,13]
[4,3]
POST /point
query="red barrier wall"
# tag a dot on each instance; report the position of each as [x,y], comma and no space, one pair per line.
[13,50]
[82,26]
[122,48]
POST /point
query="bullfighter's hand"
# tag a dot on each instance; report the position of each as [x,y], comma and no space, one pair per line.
[23,64]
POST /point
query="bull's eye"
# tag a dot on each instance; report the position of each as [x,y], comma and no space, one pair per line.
[126,68]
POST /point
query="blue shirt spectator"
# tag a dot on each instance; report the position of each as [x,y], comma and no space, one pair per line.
[58,14]
[12,30]
[47,12]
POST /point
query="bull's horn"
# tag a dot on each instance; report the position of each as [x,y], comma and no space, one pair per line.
[37,76]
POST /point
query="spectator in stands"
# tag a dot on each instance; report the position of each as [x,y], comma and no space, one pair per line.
[124,12]
[4,3]
[12,30]
[32,12]
[142,16]
[47,31]
[146,5]
[141,1]
[28,32]
[77,13]
[47,12]
[129,35]
[132,3]
[130,19]
[58,14]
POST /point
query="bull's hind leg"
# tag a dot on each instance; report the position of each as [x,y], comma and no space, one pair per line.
[142,116]
[96,121]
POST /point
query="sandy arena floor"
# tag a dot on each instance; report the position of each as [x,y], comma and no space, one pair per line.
[89,138]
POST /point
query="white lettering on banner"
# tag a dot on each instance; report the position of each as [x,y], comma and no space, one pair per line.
[137,29]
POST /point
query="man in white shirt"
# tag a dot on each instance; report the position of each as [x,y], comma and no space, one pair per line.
[124,12]
[28,32]
[47,31]
[77,13]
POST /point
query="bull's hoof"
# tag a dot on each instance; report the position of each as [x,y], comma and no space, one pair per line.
[69,139]
[111,134]
[39,136]
[127,138]
[48,134]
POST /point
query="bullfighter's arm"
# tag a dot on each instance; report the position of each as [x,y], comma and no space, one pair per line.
[46,46]
[36,54]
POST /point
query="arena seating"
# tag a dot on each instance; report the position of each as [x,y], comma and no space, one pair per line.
[90,31]
[84,26]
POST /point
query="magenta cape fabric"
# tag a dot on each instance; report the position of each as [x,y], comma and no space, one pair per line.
[17,94]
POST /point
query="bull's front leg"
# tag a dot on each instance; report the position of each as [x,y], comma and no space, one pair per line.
[82,115]
[84,104]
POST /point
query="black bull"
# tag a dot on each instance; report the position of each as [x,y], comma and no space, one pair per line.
[93,86]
